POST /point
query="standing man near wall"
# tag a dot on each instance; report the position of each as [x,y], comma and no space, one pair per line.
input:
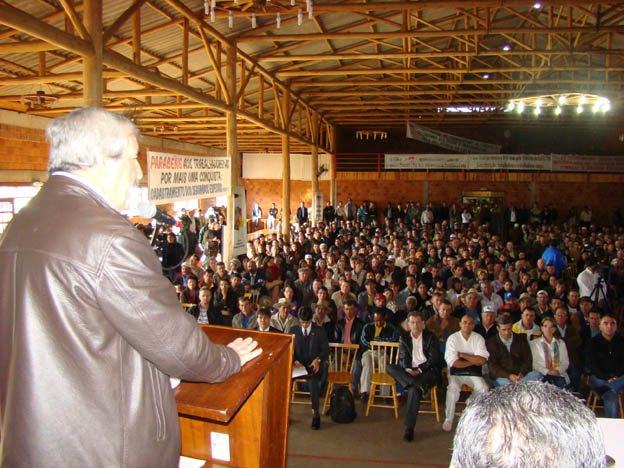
[302,214]
[90,330]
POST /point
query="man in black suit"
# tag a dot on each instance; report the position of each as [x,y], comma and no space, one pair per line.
[420,364]
[263,317]
[302,214]
[311,352]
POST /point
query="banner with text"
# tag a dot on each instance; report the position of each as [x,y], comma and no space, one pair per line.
[509,162]
[239,244]
[448,141]
[172,177]
[578,163]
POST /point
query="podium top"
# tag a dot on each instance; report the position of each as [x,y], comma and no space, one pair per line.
[220,402]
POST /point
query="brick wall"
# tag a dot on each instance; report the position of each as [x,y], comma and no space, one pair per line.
[25,149]
[601,192]
[22,148]
[267,191]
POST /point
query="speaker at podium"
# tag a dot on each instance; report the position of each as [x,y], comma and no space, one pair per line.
[243,421]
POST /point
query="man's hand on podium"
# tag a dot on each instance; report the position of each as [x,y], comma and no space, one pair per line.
[246,349]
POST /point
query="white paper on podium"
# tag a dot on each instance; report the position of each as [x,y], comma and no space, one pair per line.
[220,446]
[299,372]
[187,462]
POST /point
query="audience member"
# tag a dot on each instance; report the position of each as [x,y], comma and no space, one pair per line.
[510,358]
[283,320]
[204,312]
[378,330]
[311,352]
[246,318]
[526,325]
[550,355]
[465,355]
[419,367]
[606,365]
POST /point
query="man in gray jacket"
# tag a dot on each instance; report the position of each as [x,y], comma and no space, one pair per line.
[90,330]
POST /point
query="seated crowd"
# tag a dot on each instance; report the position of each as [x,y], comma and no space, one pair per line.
[467,307]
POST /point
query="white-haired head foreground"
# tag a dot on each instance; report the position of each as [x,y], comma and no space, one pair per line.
[530,425]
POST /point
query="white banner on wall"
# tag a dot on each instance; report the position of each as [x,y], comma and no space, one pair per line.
[510,162]
[173,177]
[269,166]
[577,163]
[240,222]
[448,141]
[425,161]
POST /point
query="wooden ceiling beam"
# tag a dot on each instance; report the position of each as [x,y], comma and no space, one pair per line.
[440,54]
[21,21]
[619,29]
[389,84]
[54,78]
[75,20]
[121,20]
[434,71]
[26,47]
[357,7]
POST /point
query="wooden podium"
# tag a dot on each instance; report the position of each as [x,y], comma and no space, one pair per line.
[244,418]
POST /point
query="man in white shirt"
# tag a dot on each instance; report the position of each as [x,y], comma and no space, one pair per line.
[419,367]
[465,354]
[587,280]
[489,297]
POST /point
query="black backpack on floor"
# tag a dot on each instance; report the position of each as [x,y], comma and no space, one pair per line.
[342,406]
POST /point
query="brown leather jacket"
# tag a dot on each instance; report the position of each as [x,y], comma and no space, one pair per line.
[90,330]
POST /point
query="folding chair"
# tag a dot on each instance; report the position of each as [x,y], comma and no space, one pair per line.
[592,401]
[297,395]
[340,372]
[433,401]
[383,353]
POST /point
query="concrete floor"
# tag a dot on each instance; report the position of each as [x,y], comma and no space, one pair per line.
[373,441]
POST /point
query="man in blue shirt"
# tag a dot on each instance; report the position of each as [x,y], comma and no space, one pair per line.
[553,256]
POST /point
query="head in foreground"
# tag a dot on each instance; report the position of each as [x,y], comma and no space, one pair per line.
[529,424]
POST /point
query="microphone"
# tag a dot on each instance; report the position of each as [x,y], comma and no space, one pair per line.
[148,210]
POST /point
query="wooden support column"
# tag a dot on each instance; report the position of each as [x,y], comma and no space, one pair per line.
[136,37]
[314,170]
[333,189]
[286,173]
[231,150]
[92,63]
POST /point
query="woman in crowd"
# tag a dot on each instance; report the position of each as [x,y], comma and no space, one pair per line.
[550,355]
